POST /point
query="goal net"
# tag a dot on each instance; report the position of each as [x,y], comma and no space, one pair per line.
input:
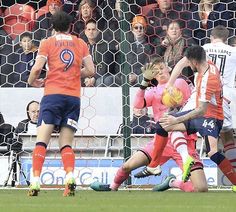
[128,34]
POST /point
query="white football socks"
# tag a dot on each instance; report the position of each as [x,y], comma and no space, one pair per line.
[183,151]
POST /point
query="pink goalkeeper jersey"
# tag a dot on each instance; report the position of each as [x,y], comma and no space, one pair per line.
[153,97]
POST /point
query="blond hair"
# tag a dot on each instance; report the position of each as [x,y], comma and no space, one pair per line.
[202,8]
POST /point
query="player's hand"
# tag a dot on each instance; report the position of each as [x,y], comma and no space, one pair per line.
[165,42]
[132,78]
[167,120]
[169,89]
[89,82]
[149,73]
[38,83]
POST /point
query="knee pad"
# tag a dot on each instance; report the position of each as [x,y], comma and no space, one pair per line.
[160,131]
[217,158]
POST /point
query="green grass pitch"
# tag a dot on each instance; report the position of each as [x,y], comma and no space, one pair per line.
[125,201]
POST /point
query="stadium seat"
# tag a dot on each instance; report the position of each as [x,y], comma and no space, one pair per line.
[145,9]
[6,133]
[18,18]
[42,10]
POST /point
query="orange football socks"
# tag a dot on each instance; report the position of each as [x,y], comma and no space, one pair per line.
[159,145]
[39,154]
[68,158]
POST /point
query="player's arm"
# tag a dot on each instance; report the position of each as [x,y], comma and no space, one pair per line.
[88,70]
[197,112]
[168,120]
[139,100]
[184,62]
[36,71]
[149,73]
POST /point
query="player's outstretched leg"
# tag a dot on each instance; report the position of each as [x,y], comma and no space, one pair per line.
[148,171]
[98,186]
[69,187]
[34,189]
[122,174]
[187,168]
[165,184]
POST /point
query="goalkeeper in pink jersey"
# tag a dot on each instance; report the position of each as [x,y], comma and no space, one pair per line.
[180,147]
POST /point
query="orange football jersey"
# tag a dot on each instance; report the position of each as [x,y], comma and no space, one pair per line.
[209,89]
[64,54]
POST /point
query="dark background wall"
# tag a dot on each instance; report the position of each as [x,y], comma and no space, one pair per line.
[36,4]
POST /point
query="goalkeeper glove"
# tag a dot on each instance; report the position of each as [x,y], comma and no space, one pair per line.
[148,74]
